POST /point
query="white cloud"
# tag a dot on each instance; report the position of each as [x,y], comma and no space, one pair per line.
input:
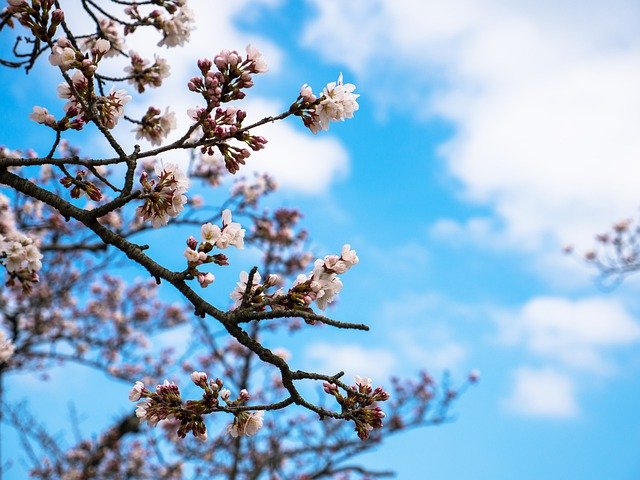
[353,359]
[542,393]
[574,334]
[543,97]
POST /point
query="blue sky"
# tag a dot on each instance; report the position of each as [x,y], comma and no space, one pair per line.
[489,135]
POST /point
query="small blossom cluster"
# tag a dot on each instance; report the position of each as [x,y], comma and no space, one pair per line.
[336,103]
[41,17]
[166,404]
[142,75]
[21,257]
[233,74]
[81,186]
[108,31]
[617,251]
[252,191]
[175,27]
[65,56]
[210,168]
[155,127]
[109,108]
[360,404]
[230,234]
[224,83]
[164,197]
[323,284]
[250,292]
[223,125]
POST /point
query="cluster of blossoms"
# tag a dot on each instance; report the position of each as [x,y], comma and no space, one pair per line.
[155,127]
[225,83]
[65,56]
[233,74]
[19,255]
[166,404]
[224,125]
[175,27]
[284,243]
[616,252]
[109,108]
[21,258]
[164,197]
[108,31]
[360,404]
[141,74]
[81,186]
[336,103]
[41,17]
[322,284]
[210,168]
[231,234]
[252,191]
[251,291]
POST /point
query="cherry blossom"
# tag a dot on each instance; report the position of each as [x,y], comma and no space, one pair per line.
[246,424]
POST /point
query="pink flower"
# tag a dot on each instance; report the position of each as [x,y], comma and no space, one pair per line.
[136,392]
[205,279]
[363,381]
[102,46]
[199,378]
[42,115]
[258,65]
[246,424]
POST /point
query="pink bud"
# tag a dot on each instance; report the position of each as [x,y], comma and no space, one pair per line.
[192,243]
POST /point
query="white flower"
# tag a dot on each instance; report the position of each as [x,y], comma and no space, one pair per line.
[232,232]
[325,285]
[136,392]
[210,233]
[246,424]
[42,115]
[102,46]
[198,377]
[307,94]
[225,393]
[241,286]
[206,279]
[141,409]
[62,54]
[338,102]
[166,199]
[157,128]
[112,107]
[363,381]
[177,29]
[259,65]
[349,256]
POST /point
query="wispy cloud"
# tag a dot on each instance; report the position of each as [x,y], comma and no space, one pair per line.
[542,393]
[573,334]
